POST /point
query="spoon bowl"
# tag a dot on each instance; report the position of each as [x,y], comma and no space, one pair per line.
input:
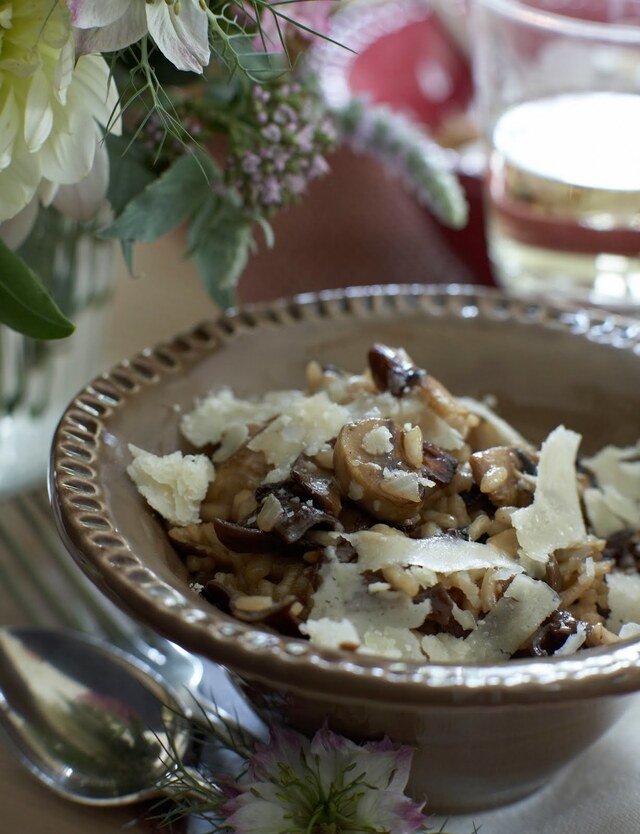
[89,721]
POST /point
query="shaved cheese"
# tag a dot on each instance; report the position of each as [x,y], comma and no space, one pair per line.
[445,648]
[617,467]
[615,502]
[554,520]
[505,434]
[629,630]
[331,634]
[174,485]
[223,418]
[395,643]
[440,554]
[343,595]
[438,431]
[624,600]
[609,511]
[303,426]
[378,441]
[514,618]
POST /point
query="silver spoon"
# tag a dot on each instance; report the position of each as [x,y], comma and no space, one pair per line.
[92,723]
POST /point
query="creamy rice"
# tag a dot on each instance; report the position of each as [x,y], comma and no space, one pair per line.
[378,513]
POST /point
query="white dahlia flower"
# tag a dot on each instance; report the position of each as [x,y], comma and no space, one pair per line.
[52,108]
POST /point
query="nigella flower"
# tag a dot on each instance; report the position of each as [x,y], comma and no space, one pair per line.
[326,785]
[180,28]
[52,107]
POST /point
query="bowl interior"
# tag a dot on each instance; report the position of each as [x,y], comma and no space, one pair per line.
[544,367]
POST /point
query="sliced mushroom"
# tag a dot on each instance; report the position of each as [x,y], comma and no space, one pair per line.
[392,370]
[298,513]
[440,466]
[243,538]
[372,469]
[554,632]
[440,619]
[624,548]
[498,473]
[318,483]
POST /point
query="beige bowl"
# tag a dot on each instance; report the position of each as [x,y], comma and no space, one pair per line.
[484,734]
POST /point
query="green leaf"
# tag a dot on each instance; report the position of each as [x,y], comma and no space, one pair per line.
[167,201]
[129,173]
[218,240]
[25,305]
[126,247]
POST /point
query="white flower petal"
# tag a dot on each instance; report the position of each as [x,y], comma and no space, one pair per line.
[260,816]
[122,32]
[18,184]
[47,192]
[14,232]
[98,91]
[64,70]
[83,200]
[9,127]
[38,117]
[88,13]
[68,157]
[182,38]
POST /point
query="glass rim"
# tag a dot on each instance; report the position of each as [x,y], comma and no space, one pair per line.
[522,12]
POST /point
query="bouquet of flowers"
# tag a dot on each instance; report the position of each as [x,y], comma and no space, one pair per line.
[138,116]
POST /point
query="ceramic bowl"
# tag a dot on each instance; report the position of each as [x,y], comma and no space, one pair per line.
[485,734]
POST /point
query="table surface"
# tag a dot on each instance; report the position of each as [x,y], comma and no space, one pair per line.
[356,227]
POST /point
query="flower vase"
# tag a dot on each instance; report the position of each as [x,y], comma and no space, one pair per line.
[38,378]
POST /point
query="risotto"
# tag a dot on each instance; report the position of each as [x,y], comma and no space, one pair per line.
[378,513]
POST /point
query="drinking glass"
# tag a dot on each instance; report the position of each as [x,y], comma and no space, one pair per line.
[558,86]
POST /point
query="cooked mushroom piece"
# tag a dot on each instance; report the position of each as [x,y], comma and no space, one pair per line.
[392,370]
[554,632]
[377,470]
[498,472]
[295,513]
[318,483]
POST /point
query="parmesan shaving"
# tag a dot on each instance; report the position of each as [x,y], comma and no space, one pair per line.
[174,485]
[624,600]
[554,519]
[514,618]
[303,426]
[439,554]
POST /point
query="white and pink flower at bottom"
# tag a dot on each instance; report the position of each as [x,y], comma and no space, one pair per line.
[326,785]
